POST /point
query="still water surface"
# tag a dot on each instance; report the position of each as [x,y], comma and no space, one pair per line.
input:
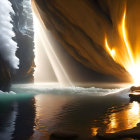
[36,115]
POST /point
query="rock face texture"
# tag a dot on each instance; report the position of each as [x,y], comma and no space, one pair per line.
[81,26]
[22,24]
[23,27]
[5,75]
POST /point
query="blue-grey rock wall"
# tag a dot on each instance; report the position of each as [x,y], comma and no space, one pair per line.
[23,27]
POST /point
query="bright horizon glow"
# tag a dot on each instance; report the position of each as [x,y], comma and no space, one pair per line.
[134,70]
[127,61]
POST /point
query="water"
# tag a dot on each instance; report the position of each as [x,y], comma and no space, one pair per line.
[33,112]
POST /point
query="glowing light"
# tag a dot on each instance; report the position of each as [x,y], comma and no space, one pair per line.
[94,131]
[126,39]
[127,59]
[113,121]
[126,118]
[111,51]
[135,72]
[135,108]
[43,41]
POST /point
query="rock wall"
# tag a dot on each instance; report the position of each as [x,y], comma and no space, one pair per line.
[80,26]
[5,75]
[23,27]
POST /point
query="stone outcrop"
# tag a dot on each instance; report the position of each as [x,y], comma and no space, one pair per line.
[80,26]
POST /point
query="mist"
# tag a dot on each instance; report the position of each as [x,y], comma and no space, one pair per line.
[8,46]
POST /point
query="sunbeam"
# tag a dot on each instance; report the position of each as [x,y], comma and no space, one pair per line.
[41,35]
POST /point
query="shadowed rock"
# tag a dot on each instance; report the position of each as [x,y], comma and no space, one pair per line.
[5,75]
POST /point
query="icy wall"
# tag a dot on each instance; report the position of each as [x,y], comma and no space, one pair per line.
[23,27]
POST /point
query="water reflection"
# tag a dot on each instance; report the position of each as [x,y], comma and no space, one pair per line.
[16,117]
[8,114]
[120,118]
[94,131]
[47,108]
[36,118]
[24,123]
[127,118]
[82,115]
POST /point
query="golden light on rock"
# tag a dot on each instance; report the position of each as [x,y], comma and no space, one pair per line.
[125,38]
[111,51]
[125,56]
